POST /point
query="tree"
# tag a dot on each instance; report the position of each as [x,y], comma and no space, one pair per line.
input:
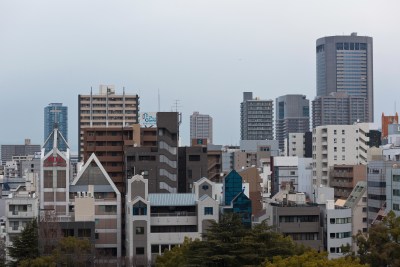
[72,251]
[312,258]
[229,243]
[381,246]
[3,253]
[25,245]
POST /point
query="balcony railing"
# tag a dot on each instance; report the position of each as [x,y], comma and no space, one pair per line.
[173,214]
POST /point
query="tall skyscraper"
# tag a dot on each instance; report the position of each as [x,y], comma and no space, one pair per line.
[345,64]
[201,127]
[292,116]
[106,109]
[56,115]
[256,118]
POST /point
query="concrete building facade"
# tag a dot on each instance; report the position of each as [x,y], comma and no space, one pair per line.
[106,109]
[345,64]
[201,126]
[335,145]
[256,118]
[292,116]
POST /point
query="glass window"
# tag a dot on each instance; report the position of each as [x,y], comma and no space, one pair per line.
[155,249]
[140,251]
[208,210]
[140,230]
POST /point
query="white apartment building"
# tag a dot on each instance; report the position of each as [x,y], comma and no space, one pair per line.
[338,229]
[338,144]
[156,222]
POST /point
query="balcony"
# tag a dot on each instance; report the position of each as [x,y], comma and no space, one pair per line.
[15,230]
[176,218]
[21,214]
[341,184]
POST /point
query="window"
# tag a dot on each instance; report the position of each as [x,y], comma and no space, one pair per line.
[396,178]
[396,207]
[343,131]
[364,220]
[343,140]
[364,199]
[334,140]
[343,157]
[194,157]
[208,211]
[155,249]
[364,209]
[334,131]
[343,149]
[396,192]
[84,232]
[334,157]
[140,251]
[292,173]
[140,230]
[332,235]
[332,221]
[335,149]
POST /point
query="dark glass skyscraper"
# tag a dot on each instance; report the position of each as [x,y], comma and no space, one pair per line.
[345,64]
[55,114]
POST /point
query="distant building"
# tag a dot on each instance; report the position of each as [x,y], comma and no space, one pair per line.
[256,118]
[338,144]
[55,114]
[345,64]
[157,157]
[8,151]
[339,108]
[386,121]
[292,116]
[299,145]
[201,126]
[106,109]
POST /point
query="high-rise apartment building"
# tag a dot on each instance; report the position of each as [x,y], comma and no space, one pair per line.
[106,109]
[256,118]
[201,126]
[335,145]
[292,116]
[339,109]
[55,114]
[345,64]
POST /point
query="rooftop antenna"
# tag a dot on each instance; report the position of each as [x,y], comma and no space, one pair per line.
[158,99]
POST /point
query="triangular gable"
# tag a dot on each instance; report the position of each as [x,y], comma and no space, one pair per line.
[93,173]
[58,137]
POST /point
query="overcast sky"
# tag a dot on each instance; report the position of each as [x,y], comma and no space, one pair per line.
[203,53]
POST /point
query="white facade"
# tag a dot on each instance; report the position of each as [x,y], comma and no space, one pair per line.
[201,126]
[20,209]
[338,144]
[338,229]
[155,222]
[294,145]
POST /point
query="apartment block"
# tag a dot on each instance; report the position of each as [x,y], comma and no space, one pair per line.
[335,145]
[201,126]
[256,118]
[106,109]
[299,145]
[8,151]
[343,178]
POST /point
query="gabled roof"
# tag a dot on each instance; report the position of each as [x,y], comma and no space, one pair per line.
[93,173]
[171,199]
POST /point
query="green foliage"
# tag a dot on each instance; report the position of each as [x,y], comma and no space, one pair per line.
[72,251]
[312,259]
[229,243]
[382,245]
[45,261]
[25,245]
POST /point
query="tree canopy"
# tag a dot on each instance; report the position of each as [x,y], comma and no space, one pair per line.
[25,245]
[313,258]
[229,243]
[381,246]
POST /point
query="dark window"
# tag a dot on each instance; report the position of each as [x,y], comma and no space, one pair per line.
[140,251]
[339,46]
[96,235]
[139,230]
[155,249]
[194,157]
[208,210]
[84,232]
[332,221]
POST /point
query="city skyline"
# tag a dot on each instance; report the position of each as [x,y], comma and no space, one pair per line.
[220,49]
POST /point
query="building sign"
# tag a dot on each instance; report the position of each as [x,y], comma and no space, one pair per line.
[52,161]
[148,119]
